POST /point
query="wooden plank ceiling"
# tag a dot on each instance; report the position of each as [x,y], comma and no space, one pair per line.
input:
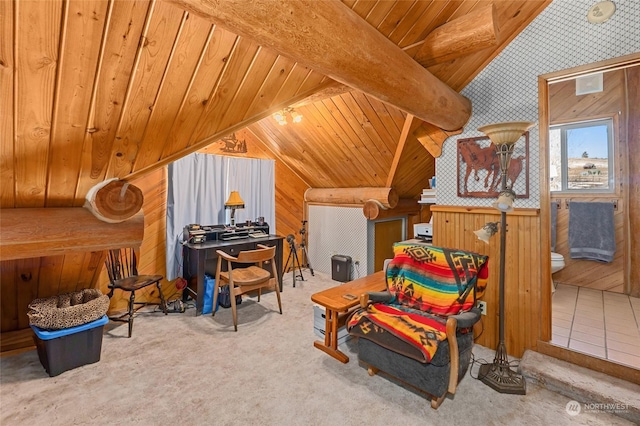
[96,89]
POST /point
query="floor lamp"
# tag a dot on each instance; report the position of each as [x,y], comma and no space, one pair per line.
[498,375]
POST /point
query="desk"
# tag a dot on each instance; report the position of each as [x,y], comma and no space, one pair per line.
[202,258]
[333,301]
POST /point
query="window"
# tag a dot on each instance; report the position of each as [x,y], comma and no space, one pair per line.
[581,157]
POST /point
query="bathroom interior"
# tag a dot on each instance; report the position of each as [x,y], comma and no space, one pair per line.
[593,126]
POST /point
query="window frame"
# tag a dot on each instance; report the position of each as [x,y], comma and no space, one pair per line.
[564,127]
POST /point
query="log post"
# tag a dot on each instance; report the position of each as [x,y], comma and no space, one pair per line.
[387,197]
[373,210]
[114,200]
[40,232]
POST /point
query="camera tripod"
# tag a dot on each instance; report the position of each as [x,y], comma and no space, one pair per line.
[293,255]
[303,246]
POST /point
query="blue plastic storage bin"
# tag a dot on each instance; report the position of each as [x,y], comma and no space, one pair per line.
[62,350]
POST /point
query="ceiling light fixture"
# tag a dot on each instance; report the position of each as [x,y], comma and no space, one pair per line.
[281,116]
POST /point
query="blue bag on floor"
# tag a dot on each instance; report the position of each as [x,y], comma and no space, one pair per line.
[209,284]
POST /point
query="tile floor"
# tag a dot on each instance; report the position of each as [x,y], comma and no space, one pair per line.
[598,323]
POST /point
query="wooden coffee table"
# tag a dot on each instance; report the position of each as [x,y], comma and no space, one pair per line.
[339,300]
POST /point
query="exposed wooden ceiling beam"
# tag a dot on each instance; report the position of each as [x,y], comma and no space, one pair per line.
[334,89]
[410,126]
[432,137]
[469,33]
[332,39]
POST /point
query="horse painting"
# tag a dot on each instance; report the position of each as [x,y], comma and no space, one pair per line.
[514,170]
[478,160]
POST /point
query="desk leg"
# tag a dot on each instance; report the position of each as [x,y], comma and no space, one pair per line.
[330,345]
[200,282]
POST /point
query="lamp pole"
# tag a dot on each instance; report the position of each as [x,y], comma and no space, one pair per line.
[499,375]
[505,159]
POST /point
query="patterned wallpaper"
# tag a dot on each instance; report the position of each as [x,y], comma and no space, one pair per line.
[507,89]
[337,231]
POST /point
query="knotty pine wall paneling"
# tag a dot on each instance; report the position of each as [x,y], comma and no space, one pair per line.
[152,253]
[633,154]
[24,280]
[453,227]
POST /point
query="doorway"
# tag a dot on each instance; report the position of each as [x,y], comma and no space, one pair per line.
[584,318]
[385,234]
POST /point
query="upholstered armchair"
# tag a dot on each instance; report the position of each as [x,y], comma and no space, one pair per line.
[420,331]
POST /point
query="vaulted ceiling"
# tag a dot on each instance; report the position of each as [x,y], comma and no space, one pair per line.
[111,88]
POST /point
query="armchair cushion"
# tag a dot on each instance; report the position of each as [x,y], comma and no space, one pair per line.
[427,284]
[410,332]
[436,280]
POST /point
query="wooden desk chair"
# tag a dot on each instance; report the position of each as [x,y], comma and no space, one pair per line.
[122,267]
[242,279]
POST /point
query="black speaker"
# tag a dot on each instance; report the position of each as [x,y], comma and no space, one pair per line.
[341,268]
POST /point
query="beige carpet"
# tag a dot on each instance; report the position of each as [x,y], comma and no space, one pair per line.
[182,369]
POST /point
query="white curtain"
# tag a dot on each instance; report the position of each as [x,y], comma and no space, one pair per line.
[198,186]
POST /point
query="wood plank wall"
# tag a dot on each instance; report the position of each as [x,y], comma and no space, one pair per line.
[586,273]
[27,279]
[152,253]
[565,106]
[633,154]
[453,227]
[24,280]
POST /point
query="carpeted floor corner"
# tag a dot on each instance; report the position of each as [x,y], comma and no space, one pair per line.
[183,369]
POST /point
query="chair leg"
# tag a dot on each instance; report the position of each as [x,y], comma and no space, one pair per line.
[277,288]
[276,284]
[132,299]
[216,287]
[163,303]
[435,402]
[233,306]
[216,296]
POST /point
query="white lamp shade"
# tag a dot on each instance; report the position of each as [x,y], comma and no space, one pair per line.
[505,201]
[483,235]
[506,133]
[487,231]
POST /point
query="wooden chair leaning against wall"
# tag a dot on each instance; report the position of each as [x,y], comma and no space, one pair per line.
[243,279]
[122,267]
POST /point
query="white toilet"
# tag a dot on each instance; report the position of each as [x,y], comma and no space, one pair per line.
[557,264]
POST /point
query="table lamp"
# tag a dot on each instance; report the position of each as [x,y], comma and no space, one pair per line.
[234,202]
